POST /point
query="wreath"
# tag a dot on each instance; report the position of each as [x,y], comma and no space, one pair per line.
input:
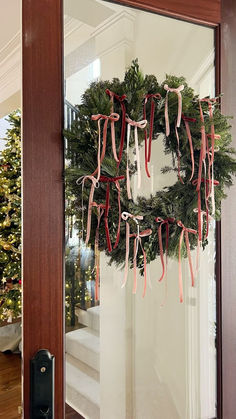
[116,117]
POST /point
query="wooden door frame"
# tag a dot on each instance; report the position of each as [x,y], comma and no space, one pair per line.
[43,191]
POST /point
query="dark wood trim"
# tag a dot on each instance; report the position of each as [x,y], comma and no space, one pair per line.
[228,231]
[207,12]
[218,249]
[43,197]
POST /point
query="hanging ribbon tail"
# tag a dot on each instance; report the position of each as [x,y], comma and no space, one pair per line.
[122,140]
[146,140]
[185,231]
[161,251]
[119,211]
[137,156]
[188,132]
[113,140]
[145,270]
[189,257]
[180,268]
[140,124]
[199,210]
[177,91]
[109,247]
[120,99]
[114,117]
[167,116]
[135,266]
[177,136]
[151,129]
[100,213]
[126,254]
[127,165]
[91,195]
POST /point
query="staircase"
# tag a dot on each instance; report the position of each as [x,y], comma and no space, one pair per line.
[82,365]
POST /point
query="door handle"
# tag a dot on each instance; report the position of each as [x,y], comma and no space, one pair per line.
[42,385]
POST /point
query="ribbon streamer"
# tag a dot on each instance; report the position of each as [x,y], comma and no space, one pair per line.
[203,151]
[100,210]
[177,91]
[140,124]
[188,132]
[166,223]
[185,231]
[206,182]
[114,117]
[108,180]
[211,169]
[120,99]
[137,241]
[208,217]
[94,185]
[148,143]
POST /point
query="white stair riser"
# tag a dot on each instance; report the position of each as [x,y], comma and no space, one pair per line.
[90,318]
[81,404]
[84,346]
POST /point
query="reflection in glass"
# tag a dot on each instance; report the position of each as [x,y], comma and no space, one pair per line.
[127,356]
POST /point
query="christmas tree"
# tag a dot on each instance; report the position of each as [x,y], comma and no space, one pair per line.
[10,222]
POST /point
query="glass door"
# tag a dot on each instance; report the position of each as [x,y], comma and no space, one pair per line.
[140,338]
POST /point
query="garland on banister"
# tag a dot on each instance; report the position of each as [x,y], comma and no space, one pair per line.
[114,120]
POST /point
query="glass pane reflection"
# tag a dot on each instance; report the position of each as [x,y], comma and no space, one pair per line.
[128,357]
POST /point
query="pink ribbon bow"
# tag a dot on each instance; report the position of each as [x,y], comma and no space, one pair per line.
[120,99]
[148,144]
[114,117]
[177,91]
[185,231]
[137,241]
[140,124]
[166,223]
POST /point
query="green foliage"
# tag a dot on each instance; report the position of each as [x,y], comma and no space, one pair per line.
[176,201]
[10,221]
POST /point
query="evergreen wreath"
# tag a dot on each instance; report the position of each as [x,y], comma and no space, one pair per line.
[177,201]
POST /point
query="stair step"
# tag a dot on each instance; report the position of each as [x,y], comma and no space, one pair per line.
[82,391]
[90,318]
[91,372]
[83,344]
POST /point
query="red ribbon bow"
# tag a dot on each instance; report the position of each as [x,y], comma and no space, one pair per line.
[185,232]
[166,223]
[148,145]
[120,99]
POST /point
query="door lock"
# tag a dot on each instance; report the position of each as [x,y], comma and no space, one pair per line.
[42,385]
